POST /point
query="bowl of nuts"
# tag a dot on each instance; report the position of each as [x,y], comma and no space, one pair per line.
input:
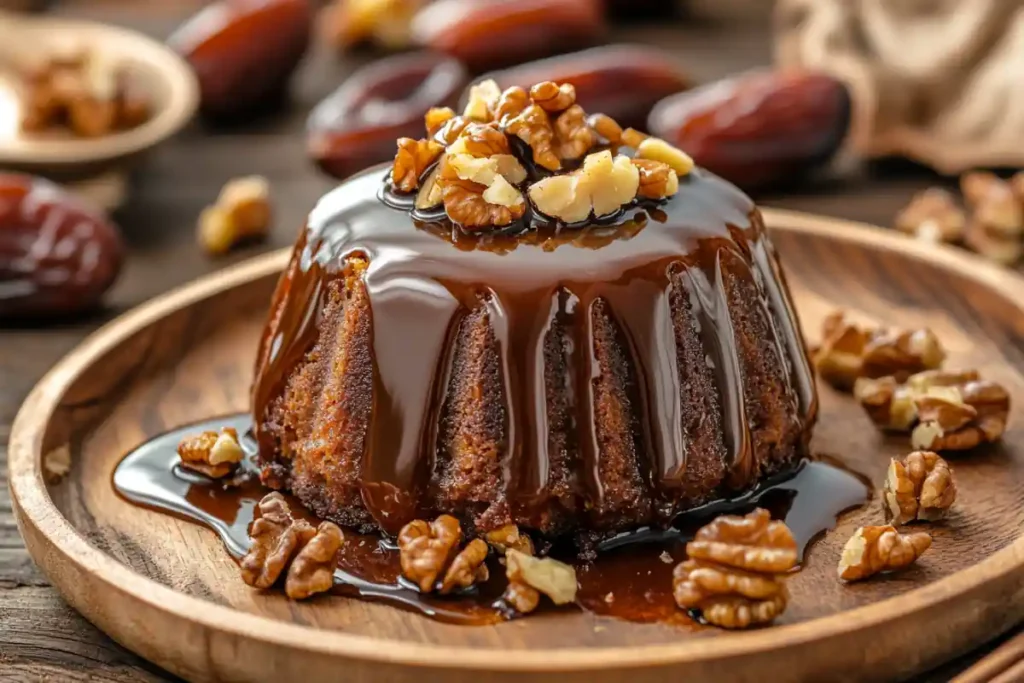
[78,98]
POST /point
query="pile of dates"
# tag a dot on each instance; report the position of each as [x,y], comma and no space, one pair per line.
[757,129]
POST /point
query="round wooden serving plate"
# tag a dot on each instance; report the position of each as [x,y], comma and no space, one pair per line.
[166,588]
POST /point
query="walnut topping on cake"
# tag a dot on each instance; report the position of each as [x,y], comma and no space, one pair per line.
[531,153]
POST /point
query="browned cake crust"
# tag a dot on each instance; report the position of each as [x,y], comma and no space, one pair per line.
[313,430]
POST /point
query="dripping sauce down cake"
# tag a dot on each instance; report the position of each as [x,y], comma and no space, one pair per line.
[531,317]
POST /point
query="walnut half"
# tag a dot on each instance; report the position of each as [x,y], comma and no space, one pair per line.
[242,213]
[919,487]
[734,574]
[874,549]
[430,557]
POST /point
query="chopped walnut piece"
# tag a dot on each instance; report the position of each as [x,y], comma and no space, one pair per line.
[657,180]
[425,549]
[276,537]
[242,213]
[384,22]
[485,170]
[431,194]
[573,136]
[888,403]
[533,127]
[657,149]
[754,543]
[312,570]
[412,159]
[521,597]
[734,574]
[430,551]
[848,352]
[919,487]
[435,118]
[874,549]
[607,127]
[934,216]
[553,97]
[726,596]
[554,579]
[466,205]
[507,537]
[467,568]
[214,454]
[1017,183]
[480,140]
[602,186]
[483,98]
[451,130]
[994,203]
[511,103]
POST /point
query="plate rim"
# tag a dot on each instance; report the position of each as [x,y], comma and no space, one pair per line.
[35,511]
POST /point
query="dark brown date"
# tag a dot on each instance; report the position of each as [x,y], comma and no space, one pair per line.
[622,81]
[497,33]
[244,52]
[762,128]
[57,254]
[358,124]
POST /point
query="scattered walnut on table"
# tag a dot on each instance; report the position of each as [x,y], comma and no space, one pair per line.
[919,487]
[412,159]
[276,538]
[242,213]
[992,244]
[933,216]
[545,575]
[213,454]
[312,570]
[874,549]
[735,572]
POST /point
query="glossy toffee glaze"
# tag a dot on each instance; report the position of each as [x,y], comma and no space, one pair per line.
[630,579]
[423,275]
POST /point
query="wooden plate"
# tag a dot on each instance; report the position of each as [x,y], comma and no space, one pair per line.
[167,590]
[166,79]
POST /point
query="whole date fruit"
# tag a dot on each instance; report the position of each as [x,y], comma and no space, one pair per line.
[758,129]
[496,33]
[57,254]
[244,51]
[357,126]
[622,81]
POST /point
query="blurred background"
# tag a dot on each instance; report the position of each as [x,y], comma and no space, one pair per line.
[144,143]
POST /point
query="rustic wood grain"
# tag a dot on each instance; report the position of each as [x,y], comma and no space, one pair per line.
[41,638]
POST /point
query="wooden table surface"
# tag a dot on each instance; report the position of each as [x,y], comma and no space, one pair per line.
[41,638]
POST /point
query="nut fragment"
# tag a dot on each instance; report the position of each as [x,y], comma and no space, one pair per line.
[992,244]
[554,579]
[509,536]
[276,537]
[466,205]
[521,597]
[429,551]
[312,570]
[919,487]
[573,135]
[435,118]
[214,454]
[994,202]
[412,159]
[553,97]
[933,216]
[483,99]
[384,22]
[242,213]
[734,574]
[657,179]
[602,186]
[657,149]
[849,352]
[533,126]
[467,568]
[874,549]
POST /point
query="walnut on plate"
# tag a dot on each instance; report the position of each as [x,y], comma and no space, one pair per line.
[933,216]
[429,552]
[509,537]
[849,352]
[529,575]
[992,244]
[994,202]
[874,549]
[312,570]
[735,572]
[276,538]
[921,487]
[242,213]
[213,454]
[945,411]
